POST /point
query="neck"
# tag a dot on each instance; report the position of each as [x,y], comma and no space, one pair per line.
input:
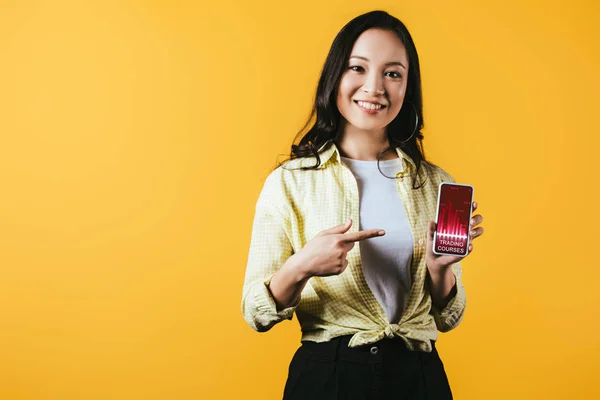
[364,145]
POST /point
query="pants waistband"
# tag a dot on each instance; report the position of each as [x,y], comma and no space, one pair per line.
[337,348]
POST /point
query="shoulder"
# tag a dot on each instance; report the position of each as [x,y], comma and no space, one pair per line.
[284,184]
[272,195]
[273,184]
[294,172]
[435,173]
[289,171]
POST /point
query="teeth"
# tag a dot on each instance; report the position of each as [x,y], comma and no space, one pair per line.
[369,106]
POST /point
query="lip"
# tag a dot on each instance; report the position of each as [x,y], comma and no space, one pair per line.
[367,110]
[369,101]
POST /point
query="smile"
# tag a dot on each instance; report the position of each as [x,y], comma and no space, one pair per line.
[370,107]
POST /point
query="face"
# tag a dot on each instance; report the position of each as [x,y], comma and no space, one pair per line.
[372,88]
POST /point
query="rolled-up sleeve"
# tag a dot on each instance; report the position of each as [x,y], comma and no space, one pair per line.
[450,316]
[270,248]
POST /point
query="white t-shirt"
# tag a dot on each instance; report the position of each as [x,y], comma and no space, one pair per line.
[386,260]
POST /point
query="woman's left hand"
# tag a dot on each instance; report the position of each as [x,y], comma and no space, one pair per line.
[436,262]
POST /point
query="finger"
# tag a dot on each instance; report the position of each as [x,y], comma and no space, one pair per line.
[344,266]
[348,246]
[475,205]
[476,232]
[362,235]
[476,220]
[470,248]
[338,229]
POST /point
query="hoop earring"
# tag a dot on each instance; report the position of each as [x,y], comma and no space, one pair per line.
[416,123]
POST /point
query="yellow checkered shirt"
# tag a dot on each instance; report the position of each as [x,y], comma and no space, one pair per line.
[293,206]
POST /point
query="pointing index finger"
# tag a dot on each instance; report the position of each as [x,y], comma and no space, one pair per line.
[362,235]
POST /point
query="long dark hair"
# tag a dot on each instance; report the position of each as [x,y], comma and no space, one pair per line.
[323,123]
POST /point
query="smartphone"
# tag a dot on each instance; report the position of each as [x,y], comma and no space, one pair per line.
[454,209]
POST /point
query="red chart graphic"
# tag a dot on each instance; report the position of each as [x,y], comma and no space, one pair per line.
[453,219]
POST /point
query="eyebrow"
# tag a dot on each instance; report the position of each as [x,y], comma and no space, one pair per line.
[388,63]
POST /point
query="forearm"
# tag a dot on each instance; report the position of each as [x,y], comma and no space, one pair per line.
[287,284]
[441,284]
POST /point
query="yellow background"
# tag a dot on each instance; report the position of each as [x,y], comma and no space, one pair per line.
[135,138]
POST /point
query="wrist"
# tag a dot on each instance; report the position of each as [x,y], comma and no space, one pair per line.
[442,285]
[298,269]
[438,270]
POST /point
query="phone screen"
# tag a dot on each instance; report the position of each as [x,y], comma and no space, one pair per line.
[453,216]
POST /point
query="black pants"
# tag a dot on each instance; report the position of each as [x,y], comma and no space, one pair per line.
[383,370]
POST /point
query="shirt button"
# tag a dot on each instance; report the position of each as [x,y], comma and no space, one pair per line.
[374,350]
[420,241]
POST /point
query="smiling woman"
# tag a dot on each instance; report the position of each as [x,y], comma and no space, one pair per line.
[369,313]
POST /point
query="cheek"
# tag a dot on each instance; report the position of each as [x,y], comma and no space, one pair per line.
[397,90]
[348,85]
[396,95]
[345,92]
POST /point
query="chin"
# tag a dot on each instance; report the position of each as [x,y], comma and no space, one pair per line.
[367,126]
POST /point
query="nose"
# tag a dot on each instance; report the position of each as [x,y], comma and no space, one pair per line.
[373,84]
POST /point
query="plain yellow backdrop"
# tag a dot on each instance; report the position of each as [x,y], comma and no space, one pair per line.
[136,136]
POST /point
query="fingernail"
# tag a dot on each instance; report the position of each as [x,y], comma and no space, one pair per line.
[381,233]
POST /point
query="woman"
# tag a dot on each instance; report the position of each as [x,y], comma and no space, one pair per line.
[370,313]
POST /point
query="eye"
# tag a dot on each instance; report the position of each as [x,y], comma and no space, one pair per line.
[393,74]
[356,68]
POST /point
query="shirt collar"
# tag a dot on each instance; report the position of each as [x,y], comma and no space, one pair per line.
[330,151]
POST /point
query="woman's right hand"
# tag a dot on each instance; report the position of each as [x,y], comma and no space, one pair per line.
[325,254]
